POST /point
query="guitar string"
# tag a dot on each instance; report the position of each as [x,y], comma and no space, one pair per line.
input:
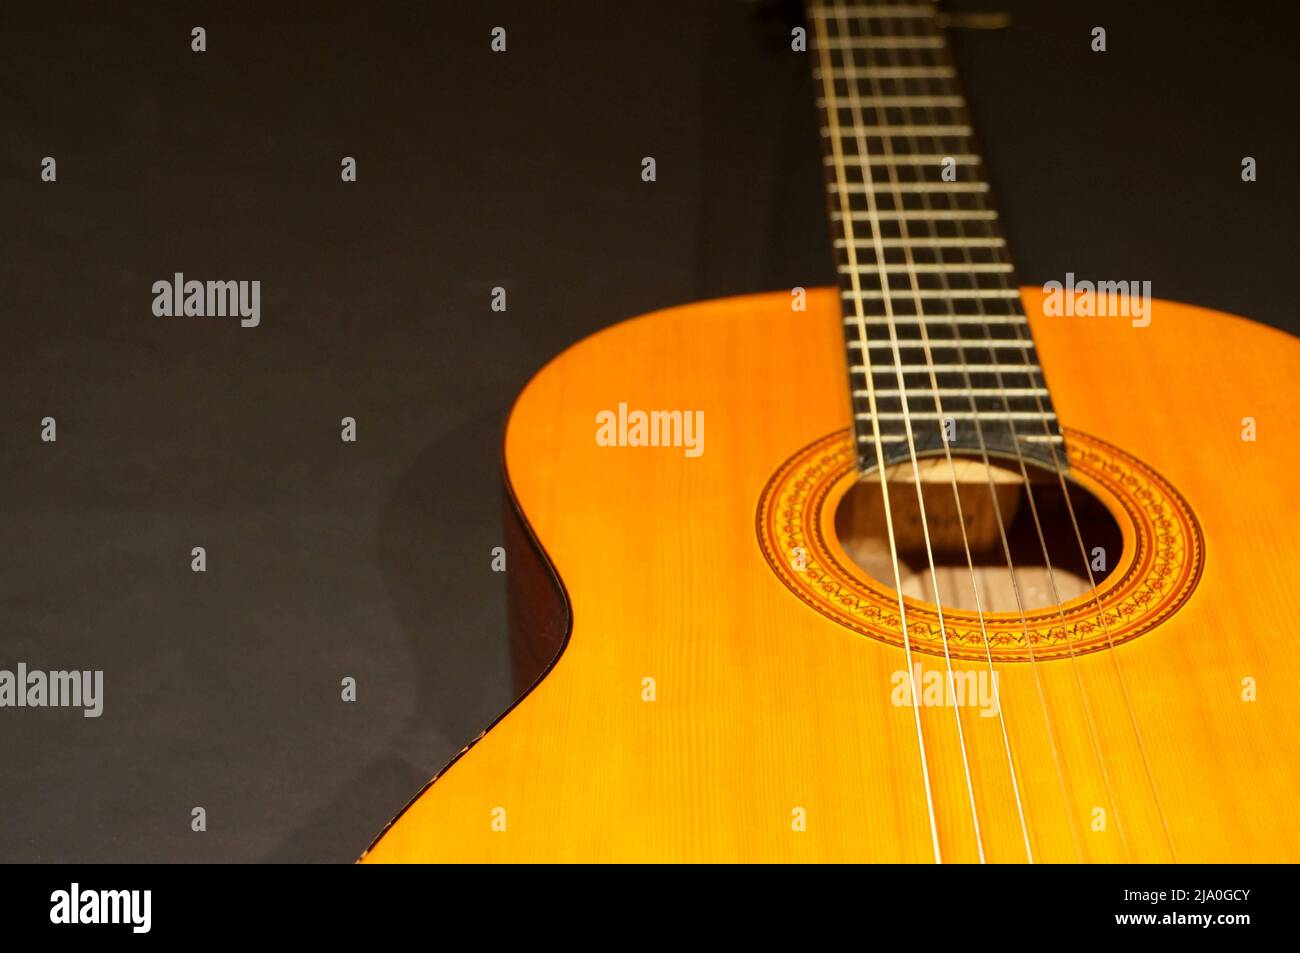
[1119,672]
[1096,598]
[1038,525]
[837,153]
[1058,764]
[858,128]
[984,456]
[1051,576]
[1105,625]
[895,59]
[1069,642]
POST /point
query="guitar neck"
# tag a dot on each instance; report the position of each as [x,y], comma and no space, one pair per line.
[936,338]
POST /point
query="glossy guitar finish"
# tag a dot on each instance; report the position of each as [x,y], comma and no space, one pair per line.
[765,705]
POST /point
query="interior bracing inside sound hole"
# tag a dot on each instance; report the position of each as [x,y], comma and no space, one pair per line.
[860,527]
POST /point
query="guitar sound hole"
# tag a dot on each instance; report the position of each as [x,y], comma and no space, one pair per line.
[861,529]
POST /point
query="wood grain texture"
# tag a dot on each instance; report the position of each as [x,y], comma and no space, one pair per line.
[764,706]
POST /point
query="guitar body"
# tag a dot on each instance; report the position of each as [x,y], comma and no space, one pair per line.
[707,708]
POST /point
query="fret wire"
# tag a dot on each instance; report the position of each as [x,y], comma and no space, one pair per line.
[850,71]
[916,158]
[962,392]
[899,101]
[905,187]
[950,215]
[952,369]
[1027,438]
[892,131]
[1009,293]
[996,345]
[928,242]
[986,268]
[962,415]
[943,320]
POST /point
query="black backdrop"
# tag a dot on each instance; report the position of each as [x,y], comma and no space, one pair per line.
[371,560]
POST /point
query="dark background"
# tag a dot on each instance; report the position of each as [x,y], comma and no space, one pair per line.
[475,169]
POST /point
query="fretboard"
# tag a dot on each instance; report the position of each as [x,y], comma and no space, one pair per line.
[935,334]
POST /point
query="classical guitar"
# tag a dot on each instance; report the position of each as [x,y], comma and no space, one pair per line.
[837,576]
